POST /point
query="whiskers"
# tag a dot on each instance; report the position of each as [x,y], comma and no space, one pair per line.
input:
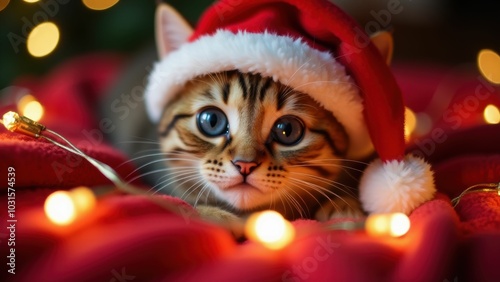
[181,177]
[303,184]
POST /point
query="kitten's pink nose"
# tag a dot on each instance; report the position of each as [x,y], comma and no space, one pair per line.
[245,168]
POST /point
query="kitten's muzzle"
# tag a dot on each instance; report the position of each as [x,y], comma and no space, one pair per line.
[245,168]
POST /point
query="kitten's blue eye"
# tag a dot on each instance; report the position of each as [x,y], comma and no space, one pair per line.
[212,122]
[288,130]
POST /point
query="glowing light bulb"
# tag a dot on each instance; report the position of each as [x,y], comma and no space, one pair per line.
[43,39]
[28,106]
[83,199]
[99,4]
[60,208]
[410,123]
[3,4]
[491,114]
[63,207]
[489,64]
[10,120]
[270,229]
[31,1]
[394,225]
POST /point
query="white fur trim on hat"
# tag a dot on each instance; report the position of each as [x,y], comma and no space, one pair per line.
[396,186]
[287,60]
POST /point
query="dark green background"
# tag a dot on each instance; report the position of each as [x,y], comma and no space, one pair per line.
[461,30]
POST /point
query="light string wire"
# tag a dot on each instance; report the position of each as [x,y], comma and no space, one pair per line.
[23,125]
[484,187]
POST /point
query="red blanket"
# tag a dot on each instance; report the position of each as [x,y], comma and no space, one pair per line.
[129,238]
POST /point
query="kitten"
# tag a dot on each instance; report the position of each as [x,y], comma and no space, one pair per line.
[235,142]
[242,142]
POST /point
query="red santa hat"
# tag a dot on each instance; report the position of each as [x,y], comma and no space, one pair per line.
[314,47]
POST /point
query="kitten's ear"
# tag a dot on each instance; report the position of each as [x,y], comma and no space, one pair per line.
[172,30]
[384,43]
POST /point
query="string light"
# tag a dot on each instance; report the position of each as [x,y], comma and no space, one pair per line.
[43,39]
[99,4]
[30,107]
[489,64]
[59,208]
[491,114]
[64,207]
[23,125]
[270,229]
[83,199]
[393,224]
[484,187]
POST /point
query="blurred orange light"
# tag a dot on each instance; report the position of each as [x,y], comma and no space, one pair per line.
[3,4]
[491,114]
[99,4]
[489,64]
[394,224]
[270,229]
[410,123]
[83,198]
[63,207]
[59,208]
[29,107]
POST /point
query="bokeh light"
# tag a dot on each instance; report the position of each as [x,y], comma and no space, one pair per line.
[410,123]
[83,198]
[43,39]
[29,107]
[393,224]
[60,208]
[33,110]
[99,4]
[270,229]
[491,114]
[489,64]
[3,4]
[63,207]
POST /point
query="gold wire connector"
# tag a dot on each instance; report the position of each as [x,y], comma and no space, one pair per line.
[21,124]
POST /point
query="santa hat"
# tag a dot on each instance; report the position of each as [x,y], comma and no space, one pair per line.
[314,47]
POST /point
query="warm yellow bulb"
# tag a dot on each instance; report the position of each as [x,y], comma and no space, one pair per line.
[491,114]
[270,229]
[63,207]
[83,198]
[60,208]
[21,104]
[489,64]
[43,39]
[99,4]
[33,110]
[31,1]
[410,123]
[394,224]
[9,120]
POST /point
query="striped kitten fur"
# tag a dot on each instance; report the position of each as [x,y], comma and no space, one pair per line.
[241,142]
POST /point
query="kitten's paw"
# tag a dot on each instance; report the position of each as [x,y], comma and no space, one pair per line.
[346,207]
[223,218]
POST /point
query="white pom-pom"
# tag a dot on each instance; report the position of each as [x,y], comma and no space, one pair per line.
[396,186]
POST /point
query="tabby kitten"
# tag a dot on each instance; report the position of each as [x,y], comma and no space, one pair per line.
[241,142]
